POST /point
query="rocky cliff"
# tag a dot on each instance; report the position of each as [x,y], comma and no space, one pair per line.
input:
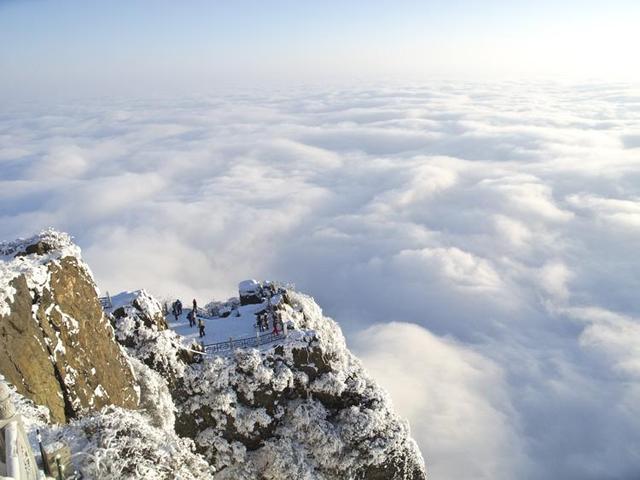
[56,346]
[302,407]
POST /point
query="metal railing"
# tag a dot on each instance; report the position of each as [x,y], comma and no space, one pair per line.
[249,342]
[106,302]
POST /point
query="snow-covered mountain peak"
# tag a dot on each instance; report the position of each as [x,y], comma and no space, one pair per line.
[30,257]
[261,386]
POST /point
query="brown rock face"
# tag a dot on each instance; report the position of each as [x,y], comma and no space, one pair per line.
[24,360]
[58,349]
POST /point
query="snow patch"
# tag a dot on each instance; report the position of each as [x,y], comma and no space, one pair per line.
[14,262]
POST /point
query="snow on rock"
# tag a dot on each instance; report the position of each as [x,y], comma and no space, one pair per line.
[142,305]
[163,350]
[30,257]
[140,327]
[249,286]
[301,408]
[53,332]
[33,416]
[155,399]
[250,292]
[115,444]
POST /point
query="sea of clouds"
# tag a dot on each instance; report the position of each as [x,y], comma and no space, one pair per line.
[479,243]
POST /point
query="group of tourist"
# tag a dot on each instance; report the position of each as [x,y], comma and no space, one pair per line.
[262,321]
[271,315]
[192,316]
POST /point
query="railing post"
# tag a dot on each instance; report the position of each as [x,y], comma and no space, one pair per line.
[45,465]
[13,460]
[20,462]
[60,468]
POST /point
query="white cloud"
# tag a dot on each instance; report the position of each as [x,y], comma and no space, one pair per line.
[614,212]
[514,232]
[456,401]
[65,161]
[553,277]
[500,220]
[454,266]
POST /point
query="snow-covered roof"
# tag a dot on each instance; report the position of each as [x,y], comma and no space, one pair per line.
[248,286]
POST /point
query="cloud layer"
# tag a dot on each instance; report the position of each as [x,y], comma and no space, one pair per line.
[478,243]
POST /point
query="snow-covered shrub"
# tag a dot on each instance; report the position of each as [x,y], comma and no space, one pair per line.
[117,444]
[162,350]
[140,306]
[304,408]
[155,398]
[300,408]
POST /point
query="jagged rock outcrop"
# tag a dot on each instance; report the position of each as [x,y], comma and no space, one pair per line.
[302,407]
[141,307]
[56,346]
[249,291]
[138,329]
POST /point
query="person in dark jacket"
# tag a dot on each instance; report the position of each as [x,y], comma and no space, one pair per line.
[179,306]
[191,318]
[195,305]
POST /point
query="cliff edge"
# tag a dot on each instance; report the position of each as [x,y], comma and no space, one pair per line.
[135,396]
[56,346]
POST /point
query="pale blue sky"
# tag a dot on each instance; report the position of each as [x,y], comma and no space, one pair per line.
[121,46]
